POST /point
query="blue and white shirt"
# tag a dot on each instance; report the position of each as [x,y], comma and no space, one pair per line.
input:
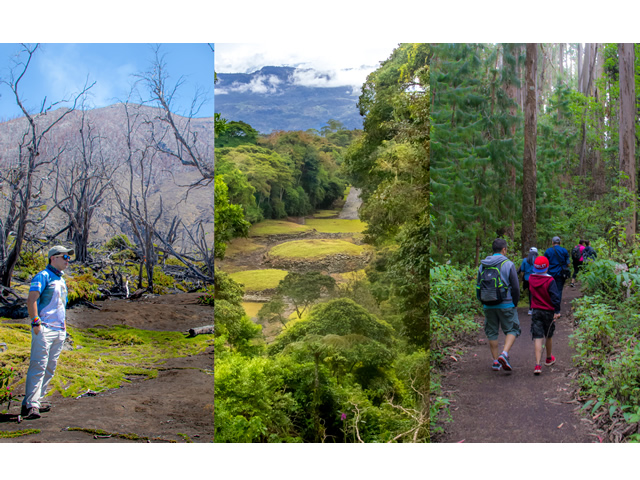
[52,302]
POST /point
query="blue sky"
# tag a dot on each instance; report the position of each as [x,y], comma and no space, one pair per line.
[59,70]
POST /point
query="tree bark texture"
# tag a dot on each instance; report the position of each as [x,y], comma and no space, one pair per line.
[627,140]
[529,234]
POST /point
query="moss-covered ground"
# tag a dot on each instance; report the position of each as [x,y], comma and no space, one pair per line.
[102,358]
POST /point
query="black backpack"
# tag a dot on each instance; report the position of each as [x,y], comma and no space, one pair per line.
[491,288]
[589,254]
[576,254]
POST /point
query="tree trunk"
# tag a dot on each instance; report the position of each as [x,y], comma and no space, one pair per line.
[529,234]
[627,140]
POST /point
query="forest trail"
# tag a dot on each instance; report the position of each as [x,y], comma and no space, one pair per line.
[517,406]
[351,206]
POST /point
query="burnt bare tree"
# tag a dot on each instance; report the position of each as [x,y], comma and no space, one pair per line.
[134,196]
[22,180]
[82,184]
[182,142]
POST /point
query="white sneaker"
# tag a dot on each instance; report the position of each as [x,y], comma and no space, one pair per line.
[530,312]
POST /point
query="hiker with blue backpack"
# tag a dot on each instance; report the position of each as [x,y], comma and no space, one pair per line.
[558,264]
[526,267]
[498,289]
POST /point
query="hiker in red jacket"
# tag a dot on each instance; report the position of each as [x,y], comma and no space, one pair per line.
[545,301]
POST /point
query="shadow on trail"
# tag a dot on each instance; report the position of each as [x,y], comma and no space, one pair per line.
[517,406]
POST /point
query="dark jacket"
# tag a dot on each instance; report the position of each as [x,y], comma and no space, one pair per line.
[558,257]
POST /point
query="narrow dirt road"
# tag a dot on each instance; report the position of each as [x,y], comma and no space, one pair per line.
[517,406]
[351,206]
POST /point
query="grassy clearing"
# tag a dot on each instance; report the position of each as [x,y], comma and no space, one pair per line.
[241,246]
[326,213]
[336,225]
[276,227]
[258,280]
[107,356]
[252,308]
[350,276]
[315,248]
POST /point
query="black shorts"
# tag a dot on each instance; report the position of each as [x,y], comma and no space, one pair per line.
[542,323]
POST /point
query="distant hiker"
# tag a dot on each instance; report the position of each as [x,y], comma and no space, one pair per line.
[576,257]
[589,254]
[558,263]
[546,308]
[46,304]
[526,267]
[498,289]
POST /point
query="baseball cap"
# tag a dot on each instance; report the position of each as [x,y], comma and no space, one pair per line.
[555,240]
[540,265]
[533,249]
[58,249]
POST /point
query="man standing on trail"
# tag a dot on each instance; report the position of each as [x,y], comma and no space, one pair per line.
[546,308]
[498,289]
[558,264]
[46,304]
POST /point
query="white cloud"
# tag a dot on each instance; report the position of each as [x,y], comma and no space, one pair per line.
[320,64]
[260,84]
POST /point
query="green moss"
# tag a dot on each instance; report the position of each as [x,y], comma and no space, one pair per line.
[276,227]
[315,248]
[258,280]
[107,356]
[82,287]
[19,433]
[119,242]
[127,436]
[185,437]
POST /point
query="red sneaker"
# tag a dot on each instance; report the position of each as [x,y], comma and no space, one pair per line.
[550,361]
[537,370]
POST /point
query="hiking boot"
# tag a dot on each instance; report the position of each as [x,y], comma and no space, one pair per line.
[572,284]
[504,361]
[530,312]
[537,370]
[44,408]
[550,361]
[496,365]
[33,413]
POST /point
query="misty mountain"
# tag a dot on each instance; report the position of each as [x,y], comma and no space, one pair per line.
[285,98]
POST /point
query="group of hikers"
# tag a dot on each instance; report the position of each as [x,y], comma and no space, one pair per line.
[498,289]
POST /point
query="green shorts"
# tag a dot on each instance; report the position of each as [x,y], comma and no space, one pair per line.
[505,318]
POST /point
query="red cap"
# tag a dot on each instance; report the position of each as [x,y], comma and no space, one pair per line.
[541,264]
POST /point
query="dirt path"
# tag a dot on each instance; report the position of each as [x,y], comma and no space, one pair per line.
[178,401]
[517,406]
[351,206]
